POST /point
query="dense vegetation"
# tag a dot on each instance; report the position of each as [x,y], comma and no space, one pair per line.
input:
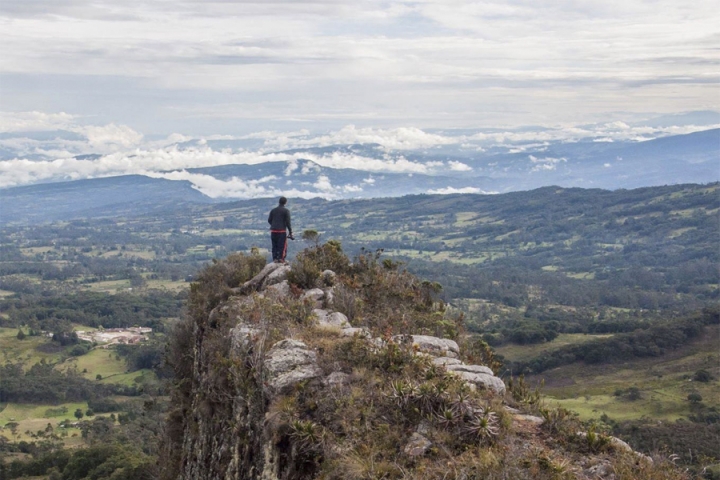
[93,309]
[652,341]
[42,383]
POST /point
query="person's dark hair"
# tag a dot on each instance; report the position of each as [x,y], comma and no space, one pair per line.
[283,200]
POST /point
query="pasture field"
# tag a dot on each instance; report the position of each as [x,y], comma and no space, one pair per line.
[33,418]
[517,352]
[99,361]
[110,286]
[31,350]
[129,378]
[664,383]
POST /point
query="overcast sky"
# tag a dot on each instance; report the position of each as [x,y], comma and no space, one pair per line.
[235,67]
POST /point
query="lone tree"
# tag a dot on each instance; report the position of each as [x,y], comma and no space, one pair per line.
[311,236]
[79,414]
[21,335]
[694,398]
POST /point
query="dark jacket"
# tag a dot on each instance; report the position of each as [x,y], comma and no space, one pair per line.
[279,219]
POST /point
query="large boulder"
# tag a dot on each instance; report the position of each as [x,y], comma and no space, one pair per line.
[278,275]
[437,347]
[461,367]
[288,363]
[352,331]
[329,296]
[278,290]
[255,283]
[482,380]
[315,295]
[445,361]
[334,319]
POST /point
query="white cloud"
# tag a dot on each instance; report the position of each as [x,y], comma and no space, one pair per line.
[22,171]
[35,121]
[459,166]
[123,150]
[292,166]
[403,138]
[546,163]
[309,168]
[323,184]
[109,137]
[236,187]
[450,190]
[435,164]
[358,162]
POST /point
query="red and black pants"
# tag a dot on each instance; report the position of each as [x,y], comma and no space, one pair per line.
[279,245]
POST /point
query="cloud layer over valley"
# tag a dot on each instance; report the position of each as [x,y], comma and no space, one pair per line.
[38,147]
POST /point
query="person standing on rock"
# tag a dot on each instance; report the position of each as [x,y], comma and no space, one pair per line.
[280,230]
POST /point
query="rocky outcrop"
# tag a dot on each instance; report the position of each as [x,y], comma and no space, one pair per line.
[272,273]
[242,420]
[438,347]
[288,363]
[478,376]
[334,319]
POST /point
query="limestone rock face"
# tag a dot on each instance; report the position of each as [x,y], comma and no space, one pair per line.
[228,427]
[461,367]
[258,280]
[279,274]
[438,347]
[241,338]
[352,331]
[334,319]
[483,380]
[288,363]
[316,295]
[445,361]
[278,290]
[329,296]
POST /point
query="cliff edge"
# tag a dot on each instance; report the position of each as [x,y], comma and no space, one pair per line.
[327,369]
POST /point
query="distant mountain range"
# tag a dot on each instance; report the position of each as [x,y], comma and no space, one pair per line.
[691,158]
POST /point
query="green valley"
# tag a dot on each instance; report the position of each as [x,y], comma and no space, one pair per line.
[609,298]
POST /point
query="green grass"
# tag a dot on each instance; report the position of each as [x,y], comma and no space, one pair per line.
[582,275]
[100,361]
[26,351]
[168,285]
[526,352]
[110,286]
[128,378]
[35,417]
[435,256]
[664,383]
[678,232]
[464,219]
